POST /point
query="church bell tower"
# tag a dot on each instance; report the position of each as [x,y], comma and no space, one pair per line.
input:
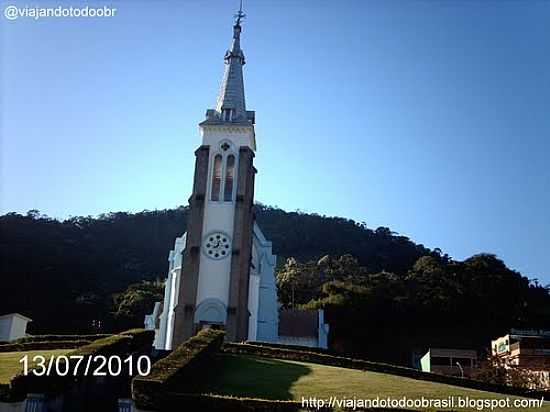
[215,271]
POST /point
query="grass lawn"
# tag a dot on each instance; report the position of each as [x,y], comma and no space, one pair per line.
[248,376]
[9,361]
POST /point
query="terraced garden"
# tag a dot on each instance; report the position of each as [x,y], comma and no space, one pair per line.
[265,378]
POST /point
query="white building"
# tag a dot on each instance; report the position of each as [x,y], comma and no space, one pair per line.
[221,271]
[451,362]
[525,349]
[13,326]
[263,322]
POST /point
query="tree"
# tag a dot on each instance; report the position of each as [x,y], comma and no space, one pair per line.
[298,283]
[131,306]
[495,370]
[370,282]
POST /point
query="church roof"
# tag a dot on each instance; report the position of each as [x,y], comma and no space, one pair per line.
[231,94]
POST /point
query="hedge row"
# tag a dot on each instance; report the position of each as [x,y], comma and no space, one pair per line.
[331,360]
[182,370]
[121,345]
[141,337]
[55,338]
[198,402]
[292,347]
[202,402]
[47,342]
[61,344]
[4,391]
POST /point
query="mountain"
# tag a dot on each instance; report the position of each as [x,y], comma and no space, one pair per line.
[62,274]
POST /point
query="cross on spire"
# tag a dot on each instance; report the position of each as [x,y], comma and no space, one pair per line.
[239,15]
[230,104]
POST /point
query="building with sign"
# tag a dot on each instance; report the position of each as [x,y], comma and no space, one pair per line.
[524,348]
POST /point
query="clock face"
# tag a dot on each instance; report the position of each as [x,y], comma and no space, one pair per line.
[217,245]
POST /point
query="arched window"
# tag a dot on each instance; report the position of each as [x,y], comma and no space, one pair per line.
[216,178]
[227,115]
[229,177]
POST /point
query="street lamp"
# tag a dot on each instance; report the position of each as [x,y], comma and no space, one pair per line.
[461,370]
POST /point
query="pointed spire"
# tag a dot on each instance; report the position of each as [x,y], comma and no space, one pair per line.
[231,102]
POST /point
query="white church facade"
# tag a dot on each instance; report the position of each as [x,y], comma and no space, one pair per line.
[262,297]
[222,269]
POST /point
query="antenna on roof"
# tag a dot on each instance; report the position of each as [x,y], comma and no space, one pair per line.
[239,15]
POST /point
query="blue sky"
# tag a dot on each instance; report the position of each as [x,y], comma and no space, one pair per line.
[429,117]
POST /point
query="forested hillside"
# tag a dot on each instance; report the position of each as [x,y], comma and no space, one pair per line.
[438,303]
[74,276]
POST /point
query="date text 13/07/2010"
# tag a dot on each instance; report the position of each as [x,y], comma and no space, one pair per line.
[79,365]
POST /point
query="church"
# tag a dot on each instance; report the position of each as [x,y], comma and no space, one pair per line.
[222,270]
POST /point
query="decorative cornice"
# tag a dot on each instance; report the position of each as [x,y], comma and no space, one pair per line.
[229,128]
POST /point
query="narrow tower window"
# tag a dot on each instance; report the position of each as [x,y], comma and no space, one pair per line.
[227,115]
[229,174]
[217,178]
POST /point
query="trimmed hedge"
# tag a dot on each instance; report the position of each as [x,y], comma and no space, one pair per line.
[141,337]
[331,360]
[55,338]
[198,402]
[61,344]
[181,370]
[4,391]
[47,342]
[228,404]
[121,345]
[292,347]
[23,384]
[208,402]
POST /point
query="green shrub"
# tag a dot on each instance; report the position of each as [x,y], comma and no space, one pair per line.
[4,391]
[292,347]
[54,338]
[214,403]
[121,345]
[200,402]
[141,337]
[112,345]
[182,370]
[47,342]
[331,360]
[61,344]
